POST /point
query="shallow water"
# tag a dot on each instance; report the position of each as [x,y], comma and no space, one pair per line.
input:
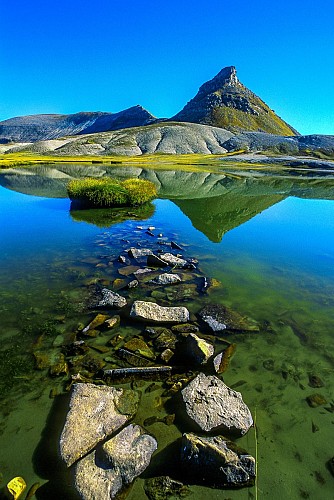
[269,241]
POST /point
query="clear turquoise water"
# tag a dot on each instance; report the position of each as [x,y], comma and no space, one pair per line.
[275,265]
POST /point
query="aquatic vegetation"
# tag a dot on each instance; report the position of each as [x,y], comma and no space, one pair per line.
[109,192]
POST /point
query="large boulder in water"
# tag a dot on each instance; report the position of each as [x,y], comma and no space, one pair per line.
[214,406]
[95,413]
[217,462]
[104,473]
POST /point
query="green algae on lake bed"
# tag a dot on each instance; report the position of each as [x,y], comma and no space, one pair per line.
[275,267]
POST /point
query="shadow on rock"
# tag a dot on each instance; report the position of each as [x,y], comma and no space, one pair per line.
[166,462]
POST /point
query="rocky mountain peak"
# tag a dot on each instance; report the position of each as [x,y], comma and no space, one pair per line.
[227,77]
[226,103]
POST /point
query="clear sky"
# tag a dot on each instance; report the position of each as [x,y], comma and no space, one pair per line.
[65,56]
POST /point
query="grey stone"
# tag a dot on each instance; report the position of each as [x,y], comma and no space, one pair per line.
[198,350]
[217,461]
[130,452]
[214,406]
[139,252]
[112,299]
[122,458]
[153,312]
[95,413]
[166,279]
[172,260]
[93,480]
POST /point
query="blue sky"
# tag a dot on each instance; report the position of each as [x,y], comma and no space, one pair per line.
[67,56]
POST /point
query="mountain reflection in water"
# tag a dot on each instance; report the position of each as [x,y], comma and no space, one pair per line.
[215,203]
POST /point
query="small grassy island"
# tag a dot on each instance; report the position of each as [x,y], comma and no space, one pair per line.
[109,192]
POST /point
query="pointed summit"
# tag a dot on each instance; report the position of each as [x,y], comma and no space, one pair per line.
[225,102]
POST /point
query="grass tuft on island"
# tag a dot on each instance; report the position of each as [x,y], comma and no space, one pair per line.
[109,192]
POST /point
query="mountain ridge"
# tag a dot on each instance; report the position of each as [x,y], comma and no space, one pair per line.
[31,128]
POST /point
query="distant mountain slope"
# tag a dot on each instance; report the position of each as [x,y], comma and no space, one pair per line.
[43,127]
[171,138]
[178,138]
[225,102]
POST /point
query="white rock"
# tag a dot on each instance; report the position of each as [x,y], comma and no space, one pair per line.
[153,312]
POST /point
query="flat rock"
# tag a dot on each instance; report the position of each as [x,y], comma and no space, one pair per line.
[102,475]
[220,317]
[217,462]
[166,279]
[153,312]
[139,252]
[198,350]
[95,413]
[214,406]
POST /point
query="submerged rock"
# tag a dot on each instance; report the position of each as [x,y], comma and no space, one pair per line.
[103,474]
[95,413]
[219,317]
[113,322]
[166,340]
[97,321]
[153,312]
[140,347]
[214,406]
[59,366]
[185,328]
[163,487]
[222,360]
[198,350]
[217,462]
[316,400]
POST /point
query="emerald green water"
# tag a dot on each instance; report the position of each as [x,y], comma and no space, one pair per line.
[268,240]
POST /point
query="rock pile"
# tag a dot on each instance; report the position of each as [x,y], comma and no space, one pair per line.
[175,350]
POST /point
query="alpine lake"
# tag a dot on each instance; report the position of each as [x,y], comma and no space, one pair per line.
[265,242]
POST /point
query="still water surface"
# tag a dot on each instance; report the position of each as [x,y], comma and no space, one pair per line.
[270,242]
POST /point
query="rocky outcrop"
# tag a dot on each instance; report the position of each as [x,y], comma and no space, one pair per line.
[150,311]
[212,405]
[225,102]
[104,473]
[95,412]
[217,462]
